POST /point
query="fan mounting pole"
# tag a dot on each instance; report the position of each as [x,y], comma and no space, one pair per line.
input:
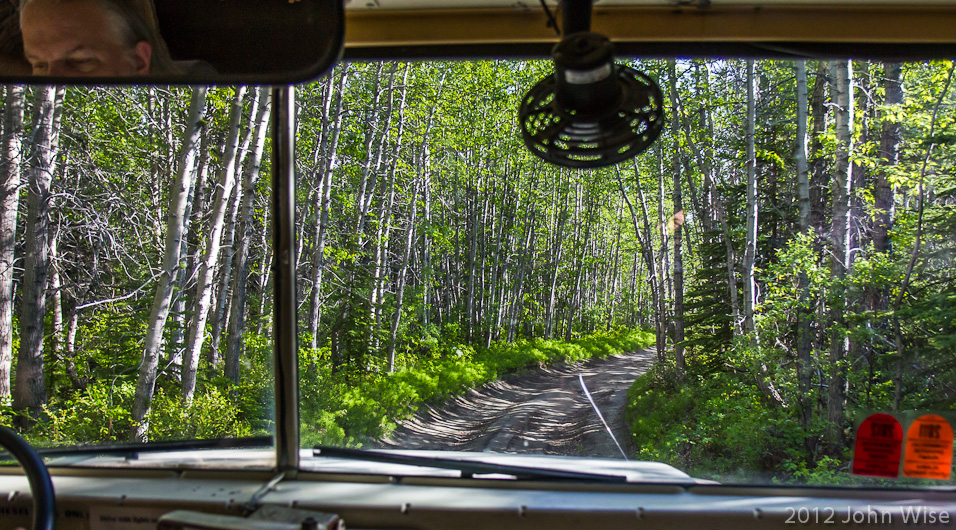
[575,16]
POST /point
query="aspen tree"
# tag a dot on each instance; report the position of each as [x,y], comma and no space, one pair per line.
[29,390]
[179,195]
[237,319]
[12,158]
[839,249]
[211,258]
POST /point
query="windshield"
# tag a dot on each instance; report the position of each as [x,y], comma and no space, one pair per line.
[735,301]
[764,295]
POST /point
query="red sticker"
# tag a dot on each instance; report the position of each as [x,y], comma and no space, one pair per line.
[879,444]
[929,448]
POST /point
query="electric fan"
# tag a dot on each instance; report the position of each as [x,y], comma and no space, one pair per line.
[590,112]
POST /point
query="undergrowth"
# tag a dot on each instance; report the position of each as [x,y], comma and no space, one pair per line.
[719,426]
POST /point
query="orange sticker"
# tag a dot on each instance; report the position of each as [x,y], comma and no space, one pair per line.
[929,448]
[879,442]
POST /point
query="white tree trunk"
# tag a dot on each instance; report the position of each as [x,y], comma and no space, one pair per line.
[327,150]
[179,195]
[238,307]
[9,203]
[29,391]
[207,268]
[750,250]
[804,359]
[839,251]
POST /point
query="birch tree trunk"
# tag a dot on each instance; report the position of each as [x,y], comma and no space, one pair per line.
[329,145]
[222,308]
[384,224]
[558,245]
[29,391]
[676,224]
[804,344]
[9,204]
[839,251]
[402,276]
[183,293]
[237,319]
[207,268]
[581,254]
[647,250]
[179,195]
[750,249]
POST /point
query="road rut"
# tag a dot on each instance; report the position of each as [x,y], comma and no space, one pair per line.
[539,412]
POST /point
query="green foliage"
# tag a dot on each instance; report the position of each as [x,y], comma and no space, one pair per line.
[714,426]
[707,317]
[99,414]
[212,414]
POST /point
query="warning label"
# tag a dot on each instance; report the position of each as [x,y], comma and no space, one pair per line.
[879,444]
[929,448]
[123,517]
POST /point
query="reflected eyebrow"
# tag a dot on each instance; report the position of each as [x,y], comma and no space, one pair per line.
[77,48]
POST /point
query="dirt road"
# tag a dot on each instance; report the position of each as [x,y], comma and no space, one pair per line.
[544,411]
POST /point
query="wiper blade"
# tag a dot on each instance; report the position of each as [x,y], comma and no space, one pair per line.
[468,468]
[131,449]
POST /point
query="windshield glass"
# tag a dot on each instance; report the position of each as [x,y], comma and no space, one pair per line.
[135,298]
[765,294]
[736,300]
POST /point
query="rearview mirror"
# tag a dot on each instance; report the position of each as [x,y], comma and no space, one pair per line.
[174,41]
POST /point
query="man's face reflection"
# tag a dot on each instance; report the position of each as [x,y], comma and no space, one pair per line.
[79,38]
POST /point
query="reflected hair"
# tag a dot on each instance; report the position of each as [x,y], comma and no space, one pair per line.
[135,20]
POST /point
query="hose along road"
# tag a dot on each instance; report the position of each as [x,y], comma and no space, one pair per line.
[543,411]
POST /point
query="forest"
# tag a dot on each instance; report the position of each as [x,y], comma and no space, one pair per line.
[786,245]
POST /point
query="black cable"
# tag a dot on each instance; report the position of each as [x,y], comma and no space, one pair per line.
[552,23]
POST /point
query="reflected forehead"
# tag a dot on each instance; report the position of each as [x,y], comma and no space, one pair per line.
[74,23]
[78,13]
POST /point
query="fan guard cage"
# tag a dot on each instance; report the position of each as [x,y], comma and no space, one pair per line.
[570,139]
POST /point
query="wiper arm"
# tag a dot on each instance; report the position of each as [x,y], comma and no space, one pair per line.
[132,449]
[468,468]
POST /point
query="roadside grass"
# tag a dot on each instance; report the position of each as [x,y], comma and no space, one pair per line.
[709,426]
[718,426]
[340,409]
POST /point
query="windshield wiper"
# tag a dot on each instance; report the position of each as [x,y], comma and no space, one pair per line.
[468,468]
[132,449]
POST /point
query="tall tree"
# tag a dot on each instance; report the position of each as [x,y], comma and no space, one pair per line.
[175,227]
[237,320]
[29,392]
[839,249]
[750,248]
[324,161]
[211,258]
[11,159]
[677,220]
[804,339]
[884,199]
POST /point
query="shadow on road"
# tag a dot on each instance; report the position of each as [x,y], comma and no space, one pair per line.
[540,412]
